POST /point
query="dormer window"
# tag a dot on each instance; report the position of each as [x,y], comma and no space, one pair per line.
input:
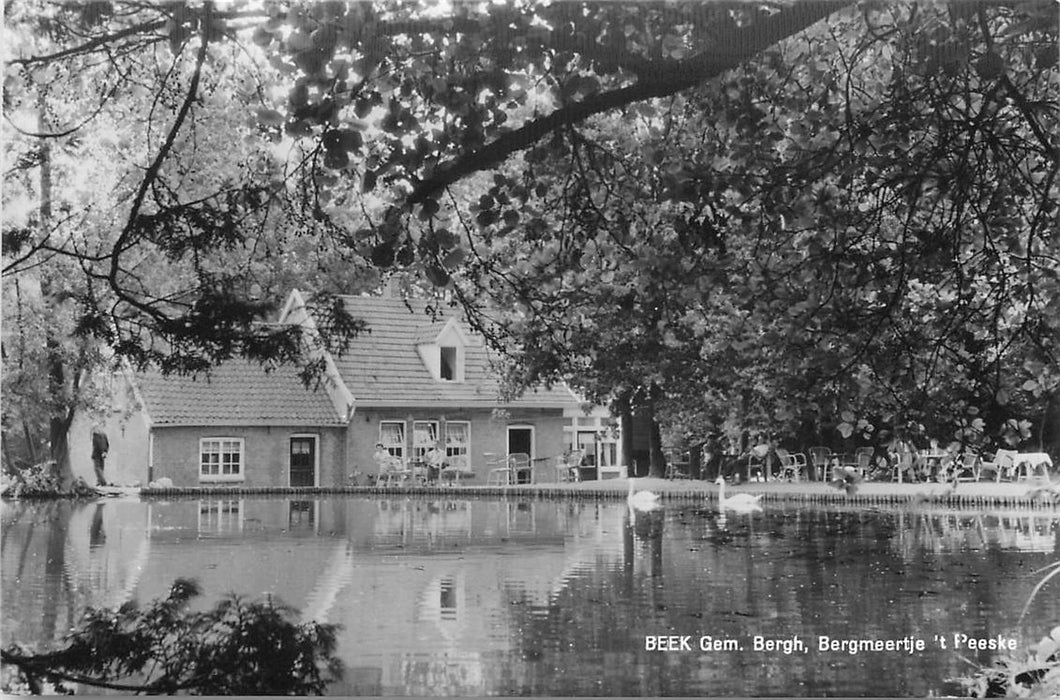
[444,351]
[448,370]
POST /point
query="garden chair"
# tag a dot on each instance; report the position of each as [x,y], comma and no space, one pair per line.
[967,468]
[395,474]
[903,465]
[792,464]
[497,471]
[1005,462]
[863,459]
[567,466]
[519,465]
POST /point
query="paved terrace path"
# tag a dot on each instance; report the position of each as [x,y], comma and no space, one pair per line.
[1033,493]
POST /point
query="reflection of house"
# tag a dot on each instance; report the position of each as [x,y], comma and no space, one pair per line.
[415,584]
[414,380]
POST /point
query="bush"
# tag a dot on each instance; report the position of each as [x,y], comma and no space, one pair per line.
[236,648]
[1035,674]
[42,481]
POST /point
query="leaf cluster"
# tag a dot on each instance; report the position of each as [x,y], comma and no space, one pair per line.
[235,648]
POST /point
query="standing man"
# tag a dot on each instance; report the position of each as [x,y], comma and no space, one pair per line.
[100,447]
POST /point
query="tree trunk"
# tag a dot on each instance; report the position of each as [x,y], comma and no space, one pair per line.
[695,461]
[59,424]
[625,423]
[656,458]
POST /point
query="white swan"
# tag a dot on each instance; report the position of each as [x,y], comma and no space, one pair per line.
[642,500]
[743,502]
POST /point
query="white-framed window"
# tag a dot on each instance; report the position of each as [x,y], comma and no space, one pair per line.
[424,437]
[221,459]
[458,444]
[392,435]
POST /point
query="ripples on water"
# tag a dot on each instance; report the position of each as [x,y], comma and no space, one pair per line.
[499,597]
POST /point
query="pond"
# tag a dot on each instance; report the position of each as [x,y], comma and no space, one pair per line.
[472,596]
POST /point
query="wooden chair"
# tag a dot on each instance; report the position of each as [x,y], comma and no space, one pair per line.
[792,464]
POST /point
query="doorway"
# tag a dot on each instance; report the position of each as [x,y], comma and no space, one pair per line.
[303,461]
[521,439]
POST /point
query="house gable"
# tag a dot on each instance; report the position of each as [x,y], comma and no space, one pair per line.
[295,312]
[397,361]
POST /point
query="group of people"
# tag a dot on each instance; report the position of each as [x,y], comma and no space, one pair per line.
[931,464]
[756,454]
[723,456]
[388,464]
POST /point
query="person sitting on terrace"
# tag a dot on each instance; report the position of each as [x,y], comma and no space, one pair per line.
[435,459]
[385,462]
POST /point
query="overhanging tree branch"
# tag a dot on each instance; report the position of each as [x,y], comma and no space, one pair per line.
[152,174]
[669,78]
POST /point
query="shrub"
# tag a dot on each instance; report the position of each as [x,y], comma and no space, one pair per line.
[235,648]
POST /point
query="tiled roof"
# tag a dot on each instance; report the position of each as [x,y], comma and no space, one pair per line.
[235,393]
[383,367]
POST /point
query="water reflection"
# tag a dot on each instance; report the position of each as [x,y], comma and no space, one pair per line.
[482,597]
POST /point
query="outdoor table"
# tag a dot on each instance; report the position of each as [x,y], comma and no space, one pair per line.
[1033,460]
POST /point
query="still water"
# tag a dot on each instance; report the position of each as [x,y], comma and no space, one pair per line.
[502,597]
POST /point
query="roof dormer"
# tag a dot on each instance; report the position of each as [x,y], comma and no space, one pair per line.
[444,352]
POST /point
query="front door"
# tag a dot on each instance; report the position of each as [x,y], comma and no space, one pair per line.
[303,461]
[521,439]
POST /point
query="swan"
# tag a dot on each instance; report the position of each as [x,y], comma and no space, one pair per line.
[743,502]
[642,500]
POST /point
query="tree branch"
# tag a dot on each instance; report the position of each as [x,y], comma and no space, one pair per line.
[153,170]
[668,78]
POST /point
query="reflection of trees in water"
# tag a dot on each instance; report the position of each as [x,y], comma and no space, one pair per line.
[67,556]
[804,573]
[57,587]
[38,531]
[941,532]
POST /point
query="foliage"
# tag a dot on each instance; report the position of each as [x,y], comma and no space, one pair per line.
[819,217]
[839,278]
[377,93]
[42,481]
[235,648]
[1035,674]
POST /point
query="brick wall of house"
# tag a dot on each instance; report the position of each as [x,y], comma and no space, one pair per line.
[266,454]
[489,434]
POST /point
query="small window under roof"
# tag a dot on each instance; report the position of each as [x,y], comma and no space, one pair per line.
[448,364]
